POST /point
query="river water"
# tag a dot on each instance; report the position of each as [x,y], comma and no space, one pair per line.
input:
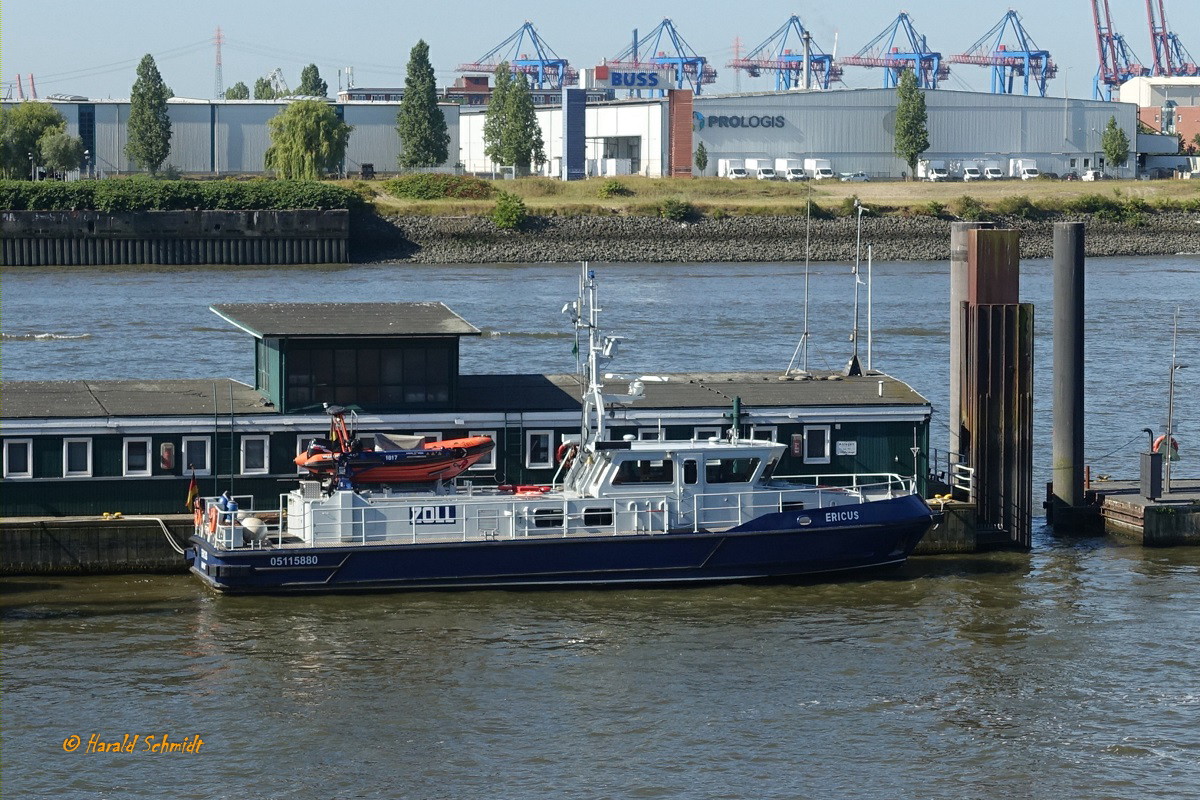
[1070,671]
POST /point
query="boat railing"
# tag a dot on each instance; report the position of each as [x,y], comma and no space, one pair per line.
[716,510]
[224,528]
[871,485]
[519,518]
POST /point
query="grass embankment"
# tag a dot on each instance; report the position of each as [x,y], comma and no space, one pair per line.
[715,197]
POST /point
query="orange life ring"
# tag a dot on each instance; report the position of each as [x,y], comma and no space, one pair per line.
[562,451]
[1159,442]
[532,489]
[212,519]
[506,488]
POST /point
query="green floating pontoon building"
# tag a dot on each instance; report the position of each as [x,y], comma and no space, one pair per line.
[77,448]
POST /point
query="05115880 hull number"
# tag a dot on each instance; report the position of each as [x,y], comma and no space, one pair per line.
[293,561]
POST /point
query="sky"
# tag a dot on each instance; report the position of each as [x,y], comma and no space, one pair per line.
[92,49]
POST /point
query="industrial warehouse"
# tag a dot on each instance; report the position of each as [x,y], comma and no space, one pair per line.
[641,114]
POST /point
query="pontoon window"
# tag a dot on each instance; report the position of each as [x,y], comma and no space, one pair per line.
[730,470]
[643,472]
[254,455]
[137,458]
[488,461]
[537,449]
[816,444]
[690,472]
[77,458]
[195,455]
[768,433]
[704,434]
[18,458]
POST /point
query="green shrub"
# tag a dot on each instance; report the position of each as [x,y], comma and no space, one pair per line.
[145,194]
[541,187]
[437,185]
[509,212]
[969,209]
[1093,204]
[847,206]
[718,213]
[676,210]
[932,209]
[1017,206]
[613,188]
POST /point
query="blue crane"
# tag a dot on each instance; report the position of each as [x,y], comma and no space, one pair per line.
[783,52]
[882,51]
[692,71]
[544,67]
[1009,59]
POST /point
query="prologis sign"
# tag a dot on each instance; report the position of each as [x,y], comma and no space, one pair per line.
[703,121]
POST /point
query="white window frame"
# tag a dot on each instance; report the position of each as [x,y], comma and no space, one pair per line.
[87,473]
[549,462]
[266,467]
[207,442]
[705,432]
[141,473]
[301,447]
[772,432]
[488,462]
[433,436]
[28,473]
[654,434]
[828,429]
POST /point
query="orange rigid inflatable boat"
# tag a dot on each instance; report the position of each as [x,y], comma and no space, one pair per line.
[384,458]
[429,462]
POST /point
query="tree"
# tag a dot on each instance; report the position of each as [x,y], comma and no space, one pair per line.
[60,152]
[511,134]
[1196,141]
[239,91]
[149,123]
[1115,144]
[307,140]
[912,120]
[701,157]
[494,145]
[420,123]
[311,83]
[522,132]
[21,130]
[263,90]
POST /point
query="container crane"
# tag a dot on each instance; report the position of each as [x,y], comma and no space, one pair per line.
[1117,61]
[1018,57]
[787,60]
[1171,58]
[882,51]
[692,71]
[545,69]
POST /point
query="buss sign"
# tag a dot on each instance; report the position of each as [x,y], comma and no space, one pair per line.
[606,77]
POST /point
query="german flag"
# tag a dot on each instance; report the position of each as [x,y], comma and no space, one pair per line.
[193,492]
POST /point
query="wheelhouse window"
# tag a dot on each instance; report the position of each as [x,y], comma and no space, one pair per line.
[77,458]
[195,456]
[254,455]
[703,434]
[645,472]
[18,458]
[488,462]
[816,444]
[730,470]
[650,434]
[537,449]
[136,458]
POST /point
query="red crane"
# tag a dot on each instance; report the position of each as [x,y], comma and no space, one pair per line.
[1117,62]
[1171,58]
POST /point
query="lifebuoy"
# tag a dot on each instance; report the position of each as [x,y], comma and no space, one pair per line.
[532,489]
[212,519]
[1159,441]
[564,452]
[506,488]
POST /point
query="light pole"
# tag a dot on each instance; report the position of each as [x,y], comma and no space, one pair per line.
[87,162]
[857,263]
[32,168]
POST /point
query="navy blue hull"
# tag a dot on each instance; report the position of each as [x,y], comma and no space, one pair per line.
[762,549]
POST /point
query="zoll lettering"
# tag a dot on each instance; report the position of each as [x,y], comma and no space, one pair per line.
[432,515]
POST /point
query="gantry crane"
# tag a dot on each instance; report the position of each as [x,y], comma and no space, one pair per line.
[783,53]
[544,68]
[1117,61]
[691,71]
[1171,58]
[1018,57]
[882,51]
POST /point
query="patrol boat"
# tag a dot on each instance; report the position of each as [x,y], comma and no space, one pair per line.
[618,512]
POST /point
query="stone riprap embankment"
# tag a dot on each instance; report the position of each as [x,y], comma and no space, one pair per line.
[619,238]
